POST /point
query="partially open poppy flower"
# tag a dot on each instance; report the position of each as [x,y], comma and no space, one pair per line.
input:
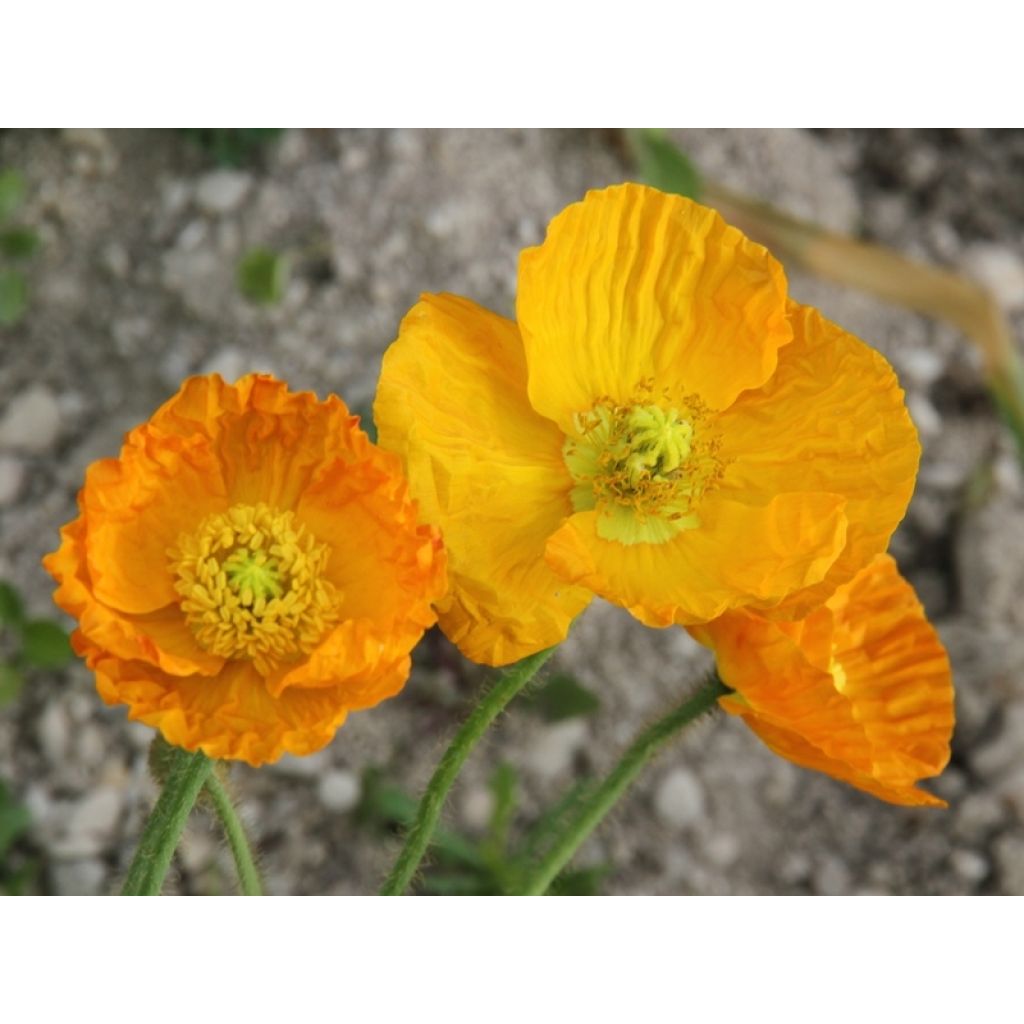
[860,689]
[660,426]
[247,571]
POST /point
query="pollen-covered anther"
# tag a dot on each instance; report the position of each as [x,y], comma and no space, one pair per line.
[643,467]
[252,586]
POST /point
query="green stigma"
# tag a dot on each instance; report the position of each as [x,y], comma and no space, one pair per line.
[640,467]
[253,576]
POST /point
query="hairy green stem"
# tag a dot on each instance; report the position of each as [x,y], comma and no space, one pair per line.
[493,702]
[248,874]
[597,805]
[186,775]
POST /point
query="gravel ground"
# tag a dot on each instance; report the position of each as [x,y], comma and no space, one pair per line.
[133,289]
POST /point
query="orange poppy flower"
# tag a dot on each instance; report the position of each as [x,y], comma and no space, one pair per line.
[860,689]
[660,426]
[247,571]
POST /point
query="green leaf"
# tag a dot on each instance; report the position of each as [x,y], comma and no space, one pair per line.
[12,193]
[45,645]
[561,698]
[579,882]
[263,276]
[663,164]
[18,243]
[10,684]
[13,297]
[14,820]
[231,147]
[12,612]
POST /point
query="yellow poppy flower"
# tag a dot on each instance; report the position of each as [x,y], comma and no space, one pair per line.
[859,689]
[659,426]
[247,571]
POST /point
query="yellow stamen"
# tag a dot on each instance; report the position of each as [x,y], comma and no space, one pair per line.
[642,466]
[252,586]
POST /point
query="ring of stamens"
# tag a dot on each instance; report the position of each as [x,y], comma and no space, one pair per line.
[642,466]
[252,585]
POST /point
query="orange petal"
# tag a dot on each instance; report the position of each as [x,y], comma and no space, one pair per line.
[230,715]
[879,715]
[487,469]
[135,507]
[269,440]
[632,284]
[832,418]
[739,554]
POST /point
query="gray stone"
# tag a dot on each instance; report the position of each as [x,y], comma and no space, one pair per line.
[679,799]
[222,191]
[54,732]
[95,816]
[925,416]
[306,767]
[1006,751]
[476,807]
[340,790]
[553,749]
[12,479]
[1009,855]
[832,877]
[970,865]
[83,877]
[1000,270]
[31,421]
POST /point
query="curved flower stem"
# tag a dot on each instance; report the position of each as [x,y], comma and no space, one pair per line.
[248,874]
[186,775]
[493,702]
[595,807]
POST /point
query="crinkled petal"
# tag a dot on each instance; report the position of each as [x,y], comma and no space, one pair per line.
[634,285]
[270,441]
[135,508]
[487,469]
[879,715]
[229,715]
[832,418]
[739,554]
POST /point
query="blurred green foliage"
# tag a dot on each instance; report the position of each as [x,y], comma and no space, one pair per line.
[490,865]
[661,163]
[263,276]
[231,147]
[17,243]
[561,697]
[26,644]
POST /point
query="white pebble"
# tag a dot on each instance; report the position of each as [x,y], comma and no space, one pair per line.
[340,791]
[679,799]
[476,808]
[1000,270]
[79,878]
[925,416]
[12,479]
[969,865]
[54,732]
[222,191]
[31,421]
[552,751]
[96,815]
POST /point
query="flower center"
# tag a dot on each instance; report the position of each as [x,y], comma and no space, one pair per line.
[252,585]
[642,467]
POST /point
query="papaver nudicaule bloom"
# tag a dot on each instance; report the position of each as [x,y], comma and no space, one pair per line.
[859,689]
[247,571]
[660,426]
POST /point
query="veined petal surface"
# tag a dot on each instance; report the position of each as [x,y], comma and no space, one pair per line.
[487,469]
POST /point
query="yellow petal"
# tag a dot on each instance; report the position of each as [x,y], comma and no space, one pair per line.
[633,285]
[738,554]
[832,418]
[486,468]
